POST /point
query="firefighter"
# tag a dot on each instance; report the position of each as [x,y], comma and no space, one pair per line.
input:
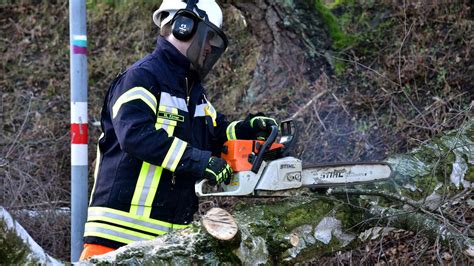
[161,134]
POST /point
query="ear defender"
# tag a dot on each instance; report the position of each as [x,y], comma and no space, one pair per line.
[184,25]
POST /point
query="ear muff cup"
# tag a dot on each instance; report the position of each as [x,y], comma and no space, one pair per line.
[184,25]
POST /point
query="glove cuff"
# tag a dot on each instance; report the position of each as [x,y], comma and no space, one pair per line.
[231,130]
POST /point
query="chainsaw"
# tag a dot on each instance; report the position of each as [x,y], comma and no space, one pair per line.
[266,168]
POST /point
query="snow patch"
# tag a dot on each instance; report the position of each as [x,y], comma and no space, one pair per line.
[329,227]
[252,250]
[37,253]
[459,171]
[300,238]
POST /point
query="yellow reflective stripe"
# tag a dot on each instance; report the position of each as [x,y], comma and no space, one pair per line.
[139,188]
[125,216]
[174,123]
[181,226]
[175,152]
[179,154]
[145,191]
[115,233]
[166,124]
[137,93]
[150,175]
[128,224]
[151,192]
[145,224]
[96,170]
[113,217]
[262,118]
[231,130]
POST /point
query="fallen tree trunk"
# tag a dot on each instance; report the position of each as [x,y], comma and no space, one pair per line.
[445,233]
[307,226]
[289,230]
[419,198]
[295,230]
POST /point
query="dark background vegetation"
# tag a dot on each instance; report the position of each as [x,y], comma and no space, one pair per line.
[400,73]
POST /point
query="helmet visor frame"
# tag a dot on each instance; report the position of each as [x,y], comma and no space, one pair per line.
[207,45]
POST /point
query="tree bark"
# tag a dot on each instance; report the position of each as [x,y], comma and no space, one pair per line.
[307,226]
[295,230]
[292,41]
[447,234]
[426,184]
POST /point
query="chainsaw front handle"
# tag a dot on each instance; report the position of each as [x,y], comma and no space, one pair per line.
[242,183]
[259,158]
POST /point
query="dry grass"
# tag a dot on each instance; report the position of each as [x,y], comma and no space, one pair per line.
[407,78]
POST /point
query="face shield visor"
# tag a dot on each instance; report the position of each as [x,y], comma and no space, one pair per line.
[207,45]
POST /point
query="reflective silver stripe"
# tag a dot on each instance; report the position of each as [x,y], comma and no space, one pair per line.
[168,100]
[146,190]
[166,126]
[90,229]
[114,233]
[174,154]
[165,123]
[200,110]
[137,93]
[96,215]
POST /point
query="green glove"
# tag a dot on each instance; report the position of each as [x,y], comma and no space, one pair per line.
[255,126]
[218,171]
[261,126]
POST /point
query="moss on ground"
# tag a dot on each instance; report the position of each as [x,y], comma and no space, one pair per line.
[13,250]
[340,38]
[430,167]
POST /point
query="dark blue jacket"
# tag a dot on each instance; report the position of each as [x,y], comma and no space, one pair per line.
[159,131]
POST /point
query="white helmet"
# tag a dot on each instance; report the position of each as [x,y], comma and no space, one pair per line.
[199,23]
[168,9]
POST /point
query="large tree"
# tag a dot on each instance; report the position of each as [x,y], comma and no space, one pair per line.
[292,39]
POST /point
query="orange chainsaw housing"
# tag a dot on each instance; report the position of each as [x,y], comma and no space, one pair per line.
[236,153]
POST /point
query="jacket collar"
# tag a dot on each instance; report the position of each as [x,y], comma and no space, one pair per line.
[177,62]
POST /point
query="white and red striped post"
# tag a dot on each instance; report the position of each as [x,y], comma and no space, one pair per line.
[79,128]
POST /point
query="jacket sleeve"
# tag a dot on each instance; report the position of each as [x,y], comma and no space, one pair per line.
[133,108]
[219,136]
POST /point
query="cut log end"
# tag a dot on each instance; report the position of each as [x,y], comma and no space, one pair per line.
[220,224]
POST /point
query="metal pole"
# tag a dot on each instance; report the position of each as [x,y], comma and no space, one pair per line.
[79,129]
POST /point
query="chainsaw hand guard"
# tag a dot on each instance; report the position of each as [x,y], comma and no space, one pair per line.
[259,159]
[255,126]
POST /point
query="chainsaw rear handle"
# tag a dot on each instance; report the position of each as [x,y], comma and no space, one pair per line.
[259,158]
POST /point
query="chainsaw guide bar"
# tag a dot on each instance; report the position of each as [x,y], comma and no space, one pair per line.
[263,168]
